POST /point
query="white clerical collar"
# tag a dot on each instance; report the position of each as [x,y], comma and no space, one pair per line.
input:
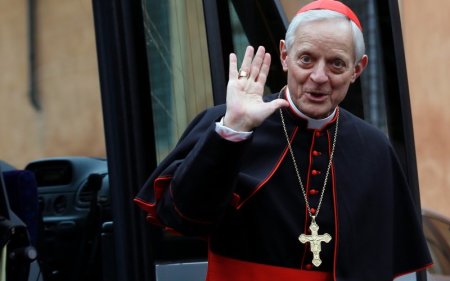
[312,123]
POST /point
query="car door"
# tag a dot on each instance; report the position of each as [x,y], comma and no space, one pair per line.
[162,62]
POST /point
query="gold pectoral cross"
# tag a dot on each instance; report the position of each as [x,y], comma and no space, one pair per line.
[315,239]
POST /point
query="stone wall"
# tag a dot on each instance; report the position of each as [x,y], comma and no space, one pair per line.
[427,47]
[70,119]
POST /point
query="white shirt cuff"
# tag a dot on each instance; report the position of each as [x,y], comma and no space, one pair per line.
[230,134]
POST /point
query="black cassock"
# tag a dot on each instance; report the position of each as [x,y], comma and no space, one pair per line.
[245,196]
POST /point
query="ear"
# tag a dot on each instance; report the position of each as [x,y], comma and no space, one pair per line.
[359,67]
[283,55]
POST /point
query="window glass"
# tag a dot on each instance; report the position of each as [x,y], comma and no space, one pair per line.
[179,70]
[240,40]
[260,30]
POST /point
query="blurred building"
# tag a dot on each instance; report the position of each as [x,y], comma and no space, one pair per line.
[49,85]
[427,49]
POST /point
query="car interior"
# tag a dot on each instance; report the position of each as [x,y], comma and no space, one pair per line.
[56,207]
[61,209]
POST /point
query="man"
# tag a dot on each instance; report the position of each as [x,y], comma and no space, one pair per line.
[291,186]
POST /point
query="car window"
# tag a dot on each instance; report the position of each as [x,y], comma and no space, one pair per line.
[178,64]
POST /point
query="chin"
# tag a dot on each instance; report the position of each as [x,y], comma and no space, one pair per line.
[317,114]
[314,110]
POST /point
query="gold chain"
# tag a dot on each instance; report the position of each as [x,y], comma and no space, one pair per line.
[298,173]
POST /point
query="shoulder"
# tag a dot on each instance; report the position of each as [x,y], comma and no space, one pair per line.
[359,131]
[211,113]
[364,145]
[204,119]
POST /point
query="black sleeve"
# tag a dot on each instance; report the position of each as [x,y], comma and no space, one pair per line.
[191,189]
[202,185]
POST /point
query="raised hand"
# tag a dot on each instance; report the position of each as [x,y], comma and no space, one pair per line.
[246,109]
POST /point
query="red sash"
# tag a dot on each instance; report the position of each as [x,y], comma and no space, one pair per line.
[221,268]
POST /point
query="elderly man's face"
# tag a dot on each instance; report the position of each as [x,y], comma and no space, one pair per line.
[321,66]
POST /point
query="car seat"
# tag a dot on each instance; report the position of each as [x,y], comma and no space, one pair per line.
[18,216]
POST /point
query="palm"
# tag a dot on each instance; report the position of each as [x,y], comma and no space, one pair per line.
[245,106]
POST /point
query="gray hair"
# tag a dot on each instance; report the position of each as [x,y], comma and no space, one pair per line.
[316,15]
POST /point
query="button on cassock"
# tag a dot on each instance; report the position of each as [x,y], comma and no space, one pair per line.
[313,192]
[308,266]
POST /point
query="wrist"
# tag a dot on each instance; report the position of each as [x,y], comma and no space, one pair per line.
[236,124]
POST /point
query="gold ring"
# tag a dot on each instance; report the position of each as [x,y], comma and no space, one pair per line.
[242,73]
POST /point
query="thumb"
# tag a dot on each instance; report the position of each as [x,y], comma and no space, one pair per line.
[270,107]
[278,103]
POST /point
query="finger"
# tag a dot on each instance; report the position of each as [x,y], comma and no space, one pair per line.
[257,62]
[247,61]
[271,106]
[232,71]
[265,67]
[278,103]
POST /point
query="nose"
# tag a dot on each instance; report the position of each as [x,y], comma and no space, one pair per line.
[319,73]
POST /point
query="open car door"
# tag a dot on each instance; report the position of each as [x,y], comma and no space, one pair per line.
[150,90]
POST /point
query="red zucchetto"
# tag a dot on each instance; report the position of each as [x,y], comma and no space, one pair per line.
[332,5]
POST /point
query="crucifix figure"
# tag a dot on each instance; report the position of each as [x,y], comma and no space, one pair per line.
[315,239]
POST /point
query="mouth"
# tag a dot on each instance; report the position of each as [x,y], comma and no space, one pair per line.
[317,95]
